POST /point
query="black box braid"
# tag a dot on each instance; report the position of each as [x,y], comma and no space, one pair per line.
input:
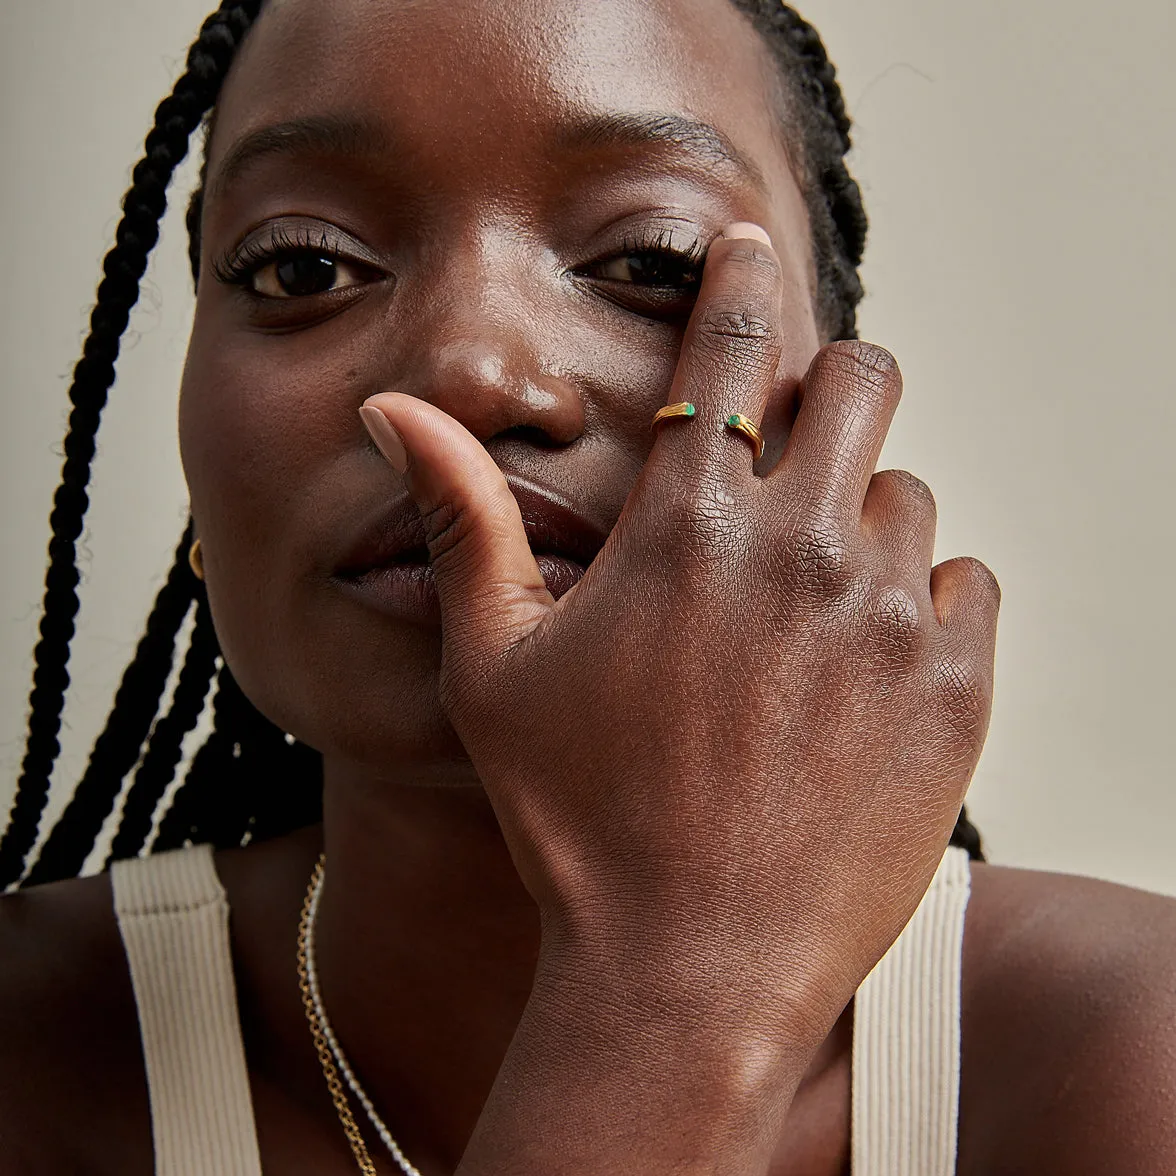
[249,780]
[117,749]
[162,757]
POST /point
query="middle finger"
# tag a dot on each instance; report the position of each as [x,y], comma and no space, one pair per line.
[848,400]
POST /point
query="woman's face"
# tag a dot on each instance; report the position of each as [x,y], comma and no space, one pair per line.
[468,201]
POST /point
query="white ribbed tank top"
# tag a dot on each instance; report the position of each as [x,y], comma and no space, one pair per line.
[174,919]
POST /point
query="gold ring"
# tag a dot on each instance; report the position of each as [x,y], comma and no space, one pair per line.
[738,423]
[196,560]
[682,409]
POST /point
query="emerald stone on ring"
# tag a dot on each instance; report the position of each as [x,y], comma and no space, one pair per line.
[738,423]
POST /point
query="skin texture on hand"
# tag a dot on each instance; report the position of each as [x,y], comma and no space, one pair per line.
[673,820]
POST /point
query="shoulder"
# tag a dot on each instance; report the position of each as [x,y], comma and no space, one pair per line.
[1069,1027]
[70,1036]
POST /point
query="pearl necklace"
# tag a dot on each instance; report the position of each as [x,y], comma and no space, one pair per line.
[317,1015]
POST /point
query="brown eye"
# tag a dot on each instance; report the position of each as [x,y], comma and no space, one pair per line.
[657,268]
[301,275]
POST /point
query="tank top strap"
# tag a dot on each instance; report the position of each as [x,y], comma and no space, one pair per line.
[906,1039]
[173,916]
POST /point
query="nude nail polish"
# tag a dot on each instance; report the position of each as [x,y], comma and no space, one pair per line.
[387,439]
[745,230]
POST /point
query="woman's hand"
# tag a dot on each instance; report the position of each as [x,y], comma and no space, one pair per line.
[728,762]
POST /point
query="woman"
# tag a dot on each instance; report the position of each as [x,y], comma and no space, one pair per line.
[637,748]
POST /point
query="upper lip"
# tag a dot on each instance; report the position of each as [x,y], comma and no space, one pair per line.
[395,533]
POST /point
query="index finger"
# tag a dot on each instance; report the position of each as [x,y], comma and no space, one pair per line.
[730,355]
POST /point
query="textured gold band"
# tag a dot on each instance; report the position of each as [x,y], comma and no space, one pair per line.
[682,409]
[738,423]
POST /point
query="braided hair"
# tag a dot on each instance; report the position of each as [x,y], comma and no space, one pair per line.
[250,780]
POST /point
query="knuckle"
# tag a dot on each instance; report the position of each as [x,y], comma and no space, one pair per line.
[895,620]
[725,322]
[705,525]
[981,577]
[819,557]
[867,360]
[447,526]
[963,697]
[909,486]
[736,321]
[868,373]
[738,332]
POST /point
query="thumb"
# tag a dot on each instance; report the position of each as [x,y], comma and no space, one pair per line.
[491,591]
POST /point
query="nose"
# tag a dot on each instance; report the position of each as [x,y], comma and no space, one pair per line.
[480,348]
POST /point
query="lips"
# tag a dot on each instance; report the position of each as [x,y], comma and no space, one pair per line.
[388,562]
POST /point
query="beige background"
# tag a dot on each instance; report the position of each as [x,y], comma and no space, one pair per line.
[1018,165]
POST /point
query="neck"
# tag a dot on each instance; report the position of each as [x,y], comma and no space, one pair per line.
[427,944]
[426,947]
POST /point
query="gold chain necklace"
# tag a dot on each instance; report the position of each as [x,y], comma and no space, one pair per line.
[322,1048]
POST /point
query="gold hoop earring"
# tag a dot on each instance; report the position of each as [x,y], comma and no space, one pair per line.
[196,560]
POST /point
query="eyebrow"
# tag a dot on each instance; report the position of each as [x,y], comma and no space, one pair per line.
[643,129]
[328,134]
[341,134]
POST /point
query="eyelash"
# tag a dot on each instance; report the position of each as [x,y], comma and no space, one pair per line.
[240,265]
[661,246]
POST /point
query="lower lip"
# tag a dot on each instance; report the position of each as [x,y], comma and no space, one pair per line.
[407,591]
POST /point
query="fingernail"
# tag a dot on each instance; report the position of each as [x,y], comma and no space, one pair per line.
[387,439]
[745,230]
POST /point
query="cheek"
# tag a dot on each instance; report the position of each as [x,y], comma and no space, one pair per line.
[271,444]
[626,380]
[259,416]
